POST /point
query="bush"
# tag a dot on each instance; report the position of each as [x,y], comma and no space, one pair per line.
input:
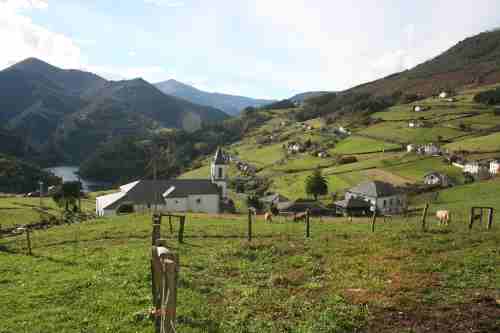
[489,97]
[347,160]
[125,208]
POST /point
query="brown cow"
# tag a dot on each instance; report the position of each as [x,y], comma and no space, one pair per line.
[444,217]
[299,217]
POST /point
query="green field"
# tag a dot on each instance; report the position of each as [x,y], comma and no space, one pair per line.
[399,132]
[488,143]
[359,145]
[95,277]
[420,167]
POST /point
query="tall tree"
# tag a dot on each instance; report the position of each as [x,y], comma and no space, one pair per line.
[316,184]
[67,195]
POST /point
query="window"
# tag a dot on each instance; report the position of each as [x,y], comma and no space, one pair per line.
[391,202]
[385,203]
[220,172]
[198,201]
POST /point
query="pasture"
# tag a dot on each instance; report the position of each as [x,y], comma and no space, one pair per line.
[343,279]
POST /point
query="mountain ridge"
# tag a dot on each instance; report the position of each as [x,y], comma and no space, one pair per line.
[231,104]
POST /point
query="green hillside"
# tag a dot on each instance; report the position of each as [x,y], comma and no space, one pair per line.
[377,142]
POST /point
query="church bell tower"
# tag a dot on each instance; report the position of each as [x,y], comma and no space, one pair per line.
[218,171]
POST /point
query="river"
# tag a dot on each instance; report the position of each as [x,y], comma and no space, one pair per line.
[68,173]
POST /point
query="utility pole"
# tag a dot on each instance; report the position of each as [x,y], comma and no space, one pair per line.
[40,183]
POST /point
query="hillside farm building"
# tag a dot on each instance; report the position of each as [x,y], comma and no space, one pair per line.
[382,197]
[175,195]
[436,178]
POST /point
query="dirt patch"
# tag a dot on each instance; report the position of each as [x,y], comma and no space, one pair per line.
[386,176]
[480,315]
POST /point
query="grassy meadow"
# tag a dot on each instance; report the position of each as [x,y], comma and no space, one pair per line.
[95,277]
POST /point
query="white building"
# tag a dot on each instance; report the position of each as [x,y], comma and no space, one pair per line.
[443,94]
[382,196]
[410,148]
[494,167]
[174,195]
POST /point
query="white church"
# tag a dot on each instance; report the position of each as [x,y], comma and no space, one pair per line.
[175,195]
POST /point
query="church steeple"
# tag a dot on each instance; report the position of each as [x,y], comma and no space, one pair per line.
[218,170]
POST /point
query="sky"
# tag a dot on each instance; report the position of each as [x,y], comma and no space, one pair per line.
[256,48]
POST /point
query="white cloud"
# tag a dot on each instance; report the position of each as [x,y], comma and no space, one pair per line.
[165,3]
[132,53]
[24,4]
[24,39]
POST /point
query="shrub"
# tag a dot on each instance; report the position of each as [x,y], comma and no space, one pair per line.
[125,208]
[347,160]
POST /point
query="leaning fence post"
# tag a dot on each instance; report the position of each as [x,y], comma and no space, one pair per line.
[181,229]
[374,219]
[249,225]
[424,217]
[308,227]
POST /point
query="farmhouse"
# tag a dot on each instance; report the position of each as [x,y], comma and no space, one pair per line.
[174,195]
[429,149]
[410,148]
[494,167]
[443,95]
[415,124]
[436,178]
[382,197]
[478,170]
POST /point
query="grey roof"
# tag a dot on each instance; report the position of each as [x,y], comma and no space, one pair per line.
[274,198]
[375,189]
[219,157]
[299,206]
[151,191]
[353,203]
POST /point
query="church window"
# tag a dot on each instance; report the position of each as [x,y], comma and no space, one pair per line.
[220,172]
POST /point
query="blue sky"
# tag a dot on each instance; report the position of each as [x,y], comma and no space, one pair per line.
[258,48]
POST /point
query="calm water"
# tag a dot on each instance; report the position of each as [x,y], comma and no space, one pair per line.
[69,174]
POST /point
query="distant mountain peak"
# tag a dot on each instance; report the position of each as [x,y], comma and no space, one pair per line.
[231,104]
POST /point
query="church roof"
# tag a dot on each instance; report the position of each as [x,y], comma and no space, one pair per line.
[155,191]
[219,157]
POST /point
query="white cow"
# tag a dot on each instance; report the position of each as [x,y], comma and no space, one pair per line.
[444,217]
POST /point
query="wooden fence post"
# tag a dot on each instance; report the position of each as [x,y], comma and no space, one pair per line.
[181,229]
[472,218]
[490,219]
[249,225]
[165,265]
[374,219]
[28,240]
[156,228]
[424,217]
[170,224]
[308,226]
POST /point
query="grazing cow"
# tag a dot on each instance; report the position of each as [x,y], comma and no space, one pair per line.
[268,217]
[443,216]
[299,217]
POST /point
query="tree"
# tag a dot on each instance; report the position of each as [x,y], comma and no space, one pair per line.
[67,194]
[316,184]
